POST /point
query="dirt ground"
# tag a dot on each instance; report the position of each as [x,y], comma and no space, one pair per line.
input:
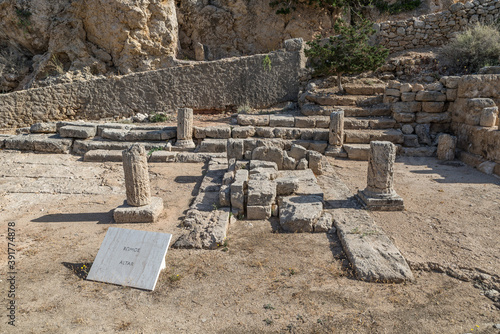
[262,282]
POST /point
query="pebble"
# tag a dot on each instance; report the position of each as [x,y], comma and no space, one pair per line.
[497,326]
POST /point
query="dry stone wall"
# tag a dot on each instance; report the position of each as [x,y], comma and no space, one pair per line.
[258,81]
[437,28]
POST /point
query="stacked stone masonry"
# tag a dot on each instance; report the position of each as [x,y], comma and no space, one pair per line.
[437,28]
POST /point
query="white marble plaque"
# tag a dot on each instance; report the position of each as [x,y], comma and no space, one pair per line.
[130,257]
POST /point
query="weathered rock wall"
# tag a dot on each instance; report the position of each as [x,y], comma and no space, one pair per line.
[241,27]
[65,35]
[438,28]
[259,81]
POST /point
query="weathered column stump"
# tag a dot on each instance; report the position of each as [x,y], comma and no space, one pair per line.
[379,195]
[447,145]
[185,128]
[140,207]
[336,134]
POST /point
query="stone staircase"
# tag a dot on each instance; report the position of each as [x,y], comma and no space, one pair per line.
[366,117]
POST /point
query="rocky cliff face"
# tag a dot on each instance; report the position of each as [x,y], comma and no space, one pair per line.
[96,36]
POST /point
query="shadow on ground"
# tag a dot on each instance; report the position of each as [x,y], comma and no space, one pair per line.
[100,217]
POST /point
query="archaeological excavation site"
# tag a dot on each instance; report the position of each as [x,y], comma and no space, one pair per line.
[230,166]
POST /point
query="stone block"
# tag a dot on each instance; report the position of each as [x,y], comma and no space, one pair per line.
[357,151]
[430,96]
[139,214]
[407,129]
[81,132]
[39,143]
[392,92]
[225,196]
[408,97]
[261,192]
[258,212]
[266,153]
[286,186]
[451,94]
[235,149]
[423,117]
[253,120]
[263,164]
[324,223]
[433,106]
[300,213]
[43,128]
[243,132]
[406,107]
[238,191]
[103,156]
[315,162]
[288,162]
[218,132]
[281,121]
[411,141]
[446,147]
[213,145]
[488,117]
[297,152]
[404,117]
[302,164]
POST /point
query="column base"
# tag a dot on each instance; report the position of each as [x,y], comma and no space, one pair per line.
[185,144]
[139,214]
[380,203]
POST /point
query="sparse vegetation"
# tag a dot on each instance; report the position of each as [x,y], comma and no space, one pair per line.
[472,49]
[347,53]
[158,118]
[23,16]
[244,109]
[266,63]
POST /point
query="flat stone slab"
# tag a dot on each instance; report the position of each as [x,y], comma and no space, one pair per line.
[366,136]
[139,214]
[372,254]
[209,145]
[207,229]
[103,156]
[131,258]
[300,213]
[39,143]
[74,131]
[80,147]
[357,151]
[308,184]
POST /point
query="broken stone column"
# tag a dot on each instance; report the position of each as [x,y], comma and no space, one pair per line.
[446,147]
[185,128]
[379,193]
[336,137]
[135,168]
[140,206]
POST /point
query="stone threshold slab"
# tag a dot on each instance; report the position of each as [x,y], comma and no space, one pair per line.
[373,256]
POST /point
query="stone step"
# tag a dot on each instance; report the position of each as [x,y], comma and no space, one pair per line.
[47,143]
[366,136]
[369,123]
[345,100]
[373,111]
[355,89]
[80,147]
[156,156]
[357,151]
[139,134]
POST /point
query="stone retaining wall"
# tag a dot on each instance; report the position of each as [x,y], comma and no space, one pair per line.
[437,28]
[258,81]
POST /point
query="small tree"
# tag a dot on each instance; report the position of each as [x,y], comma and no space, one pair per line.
[347,53]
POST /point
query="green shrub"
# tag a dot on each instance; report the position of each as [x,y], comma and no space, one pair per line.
[347,53]
[472,49]
[158,118]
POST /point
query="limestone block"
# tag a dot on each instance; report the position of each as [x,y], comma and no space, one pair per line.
[235,149]
[221,132]
[258,212]
[43,128]
[305,122]
[294,44]
[281,121]
[417,88]
[243,132]
[238,191]
[430,96]
[300,213]
[266,153]
[80,132]
[297,152]
[423,133]
[406,107]
[210,145]
[315,162]
[263,173]
[199,51]
[253,120]
[148,213]
[324,223]
[407,129]
[423,117]
[488,116]
[135,167]
[286,186]
[404,117]
[451,94]
[393,92]
[411,141]
[433,106]
[288,162]
[446,147]
[263,164]
[336,133]
[405,88]
[408,97]
[39,142]
[261,192]
[302,164]
[225,195]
